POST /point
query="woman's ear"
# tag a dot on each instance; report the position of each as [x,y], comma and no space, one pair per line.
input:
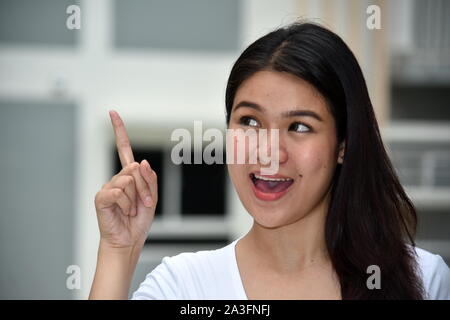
[341,152]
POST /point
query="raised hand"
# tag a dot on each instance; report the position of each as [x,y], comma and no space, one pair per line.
[126,204]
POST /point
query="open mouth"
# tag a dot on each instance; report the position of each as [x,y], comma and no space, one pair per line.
[270,187]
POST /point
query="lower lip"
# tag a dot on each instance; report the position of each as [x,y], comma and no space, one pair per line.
[268,196]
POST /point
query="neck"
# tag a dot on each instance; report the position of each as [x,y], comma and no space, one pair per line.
[292,248]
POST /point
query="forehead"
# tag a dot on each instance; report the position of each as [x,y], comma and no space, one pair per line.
[280,91]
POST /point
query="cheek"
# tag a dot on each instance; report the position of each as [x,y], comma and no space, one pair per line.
[233,171]
[241,147]
[315,160]
[238,174]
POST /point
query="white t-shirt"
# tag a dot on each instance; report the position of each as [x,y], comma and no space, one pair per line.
[214,275]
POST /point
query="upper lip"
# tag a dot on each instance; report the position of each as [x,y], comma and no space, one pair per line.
[270,177]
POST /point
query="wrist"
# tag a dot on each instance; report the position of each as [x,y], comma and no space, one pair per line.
[118,263]
[108,248]
[123,258]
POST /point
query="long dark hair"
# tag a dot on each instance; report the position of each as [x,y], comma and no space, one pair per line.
[371,220]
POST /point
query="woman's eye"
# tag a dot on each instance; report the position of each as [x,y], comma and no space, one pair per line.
[299,127]
[247,121]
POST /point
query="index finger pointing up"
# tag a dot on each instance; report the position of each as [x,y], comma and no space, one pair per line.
[122,141]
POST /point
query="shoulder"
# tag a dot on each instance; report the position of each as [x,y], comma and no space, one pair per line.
[435,274]
[186,275]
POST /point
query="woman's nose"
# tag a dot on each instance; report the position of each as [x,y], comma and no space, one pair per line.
[272,147]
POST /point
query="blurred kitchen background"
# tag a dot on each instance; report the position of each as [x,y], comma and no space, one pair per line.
[163,64]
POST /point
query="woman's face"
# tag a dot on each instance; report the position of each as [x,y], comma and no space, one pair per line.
[308,148]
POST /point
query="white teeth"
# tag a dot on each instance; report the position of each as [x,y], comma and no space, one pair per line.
[271,179]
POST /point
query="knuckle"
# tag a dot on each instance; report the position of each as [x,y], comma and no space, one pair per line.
[131,167]
[124,142]
[134,165]
[117,193]
[125,180]
[129,180]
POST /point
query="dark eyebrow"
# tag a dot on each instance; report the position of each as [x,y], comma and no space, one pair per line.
[249,105]
[287,114]
[302,113]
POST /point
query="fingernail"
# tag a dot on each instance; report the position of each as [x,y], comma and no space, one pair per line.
[148,165]
[147,200]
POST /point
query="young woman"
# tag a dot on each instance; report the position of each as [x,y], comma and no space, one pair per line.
[334,215]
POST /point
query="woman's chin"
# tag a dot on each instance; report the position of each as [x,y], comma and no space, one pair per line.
[270,219]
